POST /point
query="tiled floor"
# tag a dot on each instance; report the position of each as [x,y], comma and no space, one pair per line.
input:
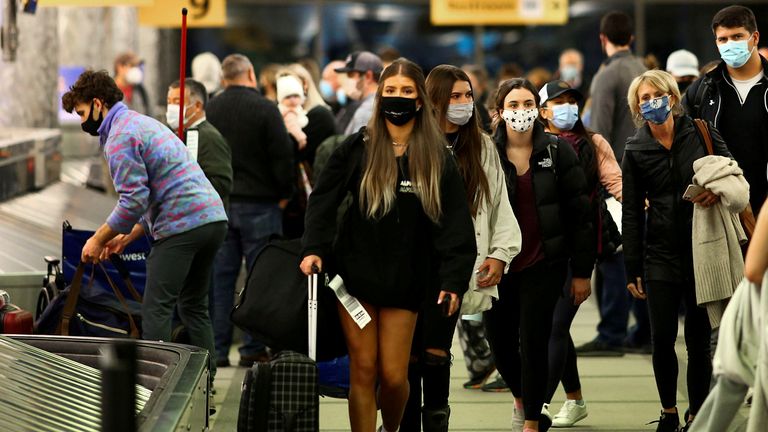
[620,393]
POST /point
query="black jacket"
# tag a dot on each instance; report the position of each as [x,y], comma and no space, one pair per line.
[653,173]
[742,124]
[321,125]
[262,154]
[561,199]
[389,261]
[607,236]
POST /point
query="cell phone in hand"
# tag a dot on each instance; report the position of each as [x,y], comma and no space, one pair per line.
[446,305]
[692,192]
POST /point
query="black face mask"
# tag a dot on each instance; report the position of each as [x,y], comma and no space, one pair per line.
[398,110]
[92,126]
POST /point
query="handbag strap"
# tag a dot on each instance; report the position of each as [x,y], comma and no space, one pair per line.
[74,295]
[703,128]
[119,264]
[134,333]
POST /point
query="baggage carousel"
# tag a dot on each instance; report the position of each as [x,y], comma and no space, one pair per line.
[54,384]
[30,228]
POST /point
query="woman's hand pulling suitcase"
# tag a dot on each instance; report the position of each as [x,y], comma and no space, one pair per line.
[311,264]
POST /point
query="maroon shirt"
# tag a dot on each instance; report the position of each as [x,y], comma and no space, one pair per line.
[532,250]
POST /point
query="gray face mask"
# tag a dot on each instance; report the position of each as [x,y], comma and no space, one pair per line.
[459,114]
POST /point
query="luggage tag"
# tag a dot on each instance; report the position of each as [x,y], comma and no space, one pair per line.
[353,306]
[193,141]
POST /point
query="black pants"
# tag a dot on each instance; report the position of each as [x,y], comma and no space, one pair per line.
[426,372]
[519,326]
[562,354]
[179,275]
[663,304]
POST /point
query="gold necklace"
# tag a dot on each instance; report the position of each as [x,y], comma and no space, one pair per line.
[397,144]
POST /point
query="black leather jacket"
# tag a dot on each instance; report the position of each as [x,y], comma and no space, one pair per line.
[657,242]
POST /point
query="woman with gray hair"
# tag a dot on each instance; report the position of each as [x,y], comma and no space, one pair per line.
[657,232]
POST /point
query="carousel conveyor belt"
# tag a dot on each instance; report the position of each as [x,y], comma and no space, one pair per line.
[30,225]
[52,384]
[30,229]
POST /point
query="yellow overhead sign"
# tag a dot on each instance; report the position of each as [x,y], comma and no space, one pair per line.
[498,12]
[94,3]
[167,13]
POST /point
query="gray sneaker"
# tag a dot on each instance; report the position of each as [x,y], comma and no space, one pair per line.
[598,348]
[496,386]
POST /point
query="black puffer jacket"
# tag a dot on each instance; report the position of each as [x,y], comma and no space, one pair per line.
[607,236]
[561,199]
[661,176]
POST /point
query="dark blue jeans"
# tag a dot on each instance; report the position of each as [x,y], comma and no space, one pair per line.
[250,226]
[615,305]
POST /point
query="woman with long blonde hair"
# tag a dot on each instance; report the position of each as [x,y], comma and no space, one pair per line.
[407,232]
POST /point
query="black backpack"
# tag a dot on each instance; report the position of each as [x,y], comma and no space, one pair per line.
[272,306]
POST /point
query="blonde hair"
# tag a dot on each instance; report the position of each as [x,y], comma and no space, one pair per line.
[426,153]
[313,97]
[662,81]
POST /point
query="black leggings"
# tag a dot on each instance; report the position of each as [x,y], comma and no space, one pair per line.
[663,305]
[519,326]
[562,354]
[428,372]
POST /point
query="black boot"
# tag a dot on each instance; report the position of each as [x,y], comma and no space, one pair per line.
[668,422]
[436,420]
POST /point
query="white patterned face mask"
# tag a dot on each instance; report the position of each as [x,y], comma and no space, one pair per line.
[520,120]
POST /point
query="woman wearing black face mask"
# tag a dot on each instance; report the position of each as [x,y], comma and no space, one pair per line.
[498,241]
[407,228]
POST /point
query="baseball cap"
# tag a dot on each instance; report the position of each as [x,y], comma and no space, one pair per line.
[556,88]
[361,61]
[683,63]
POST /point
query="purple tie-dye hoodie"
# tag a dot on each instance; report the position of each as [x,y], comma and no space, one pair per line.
[156,179]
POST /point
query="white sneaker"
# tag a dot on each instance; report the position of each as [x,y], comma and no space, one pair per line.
[569,414]
[518,420]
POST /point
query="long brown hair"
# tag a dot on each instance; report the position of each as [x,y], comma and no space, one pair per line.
[469,143]
[426,152]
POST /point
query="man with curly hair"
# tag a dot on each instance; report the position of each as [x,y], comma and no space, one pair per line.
[163,193]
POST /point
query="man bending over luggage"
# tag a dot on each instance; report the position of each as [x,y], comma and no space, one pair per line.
[162,192]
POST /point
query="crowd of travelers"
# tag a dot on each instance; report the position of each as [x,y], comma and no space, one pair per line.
[446,201]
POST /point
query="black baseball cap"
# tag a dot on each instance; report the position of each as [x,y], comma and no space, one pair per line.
[554,89]
[362,61]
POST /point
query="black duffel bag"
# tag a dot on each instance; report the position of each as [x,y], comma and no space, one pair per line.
[272,306]
[74,313]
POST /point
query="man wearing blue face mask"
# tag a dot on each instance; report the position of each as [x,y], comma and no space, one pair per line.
[571,70]
[734,96]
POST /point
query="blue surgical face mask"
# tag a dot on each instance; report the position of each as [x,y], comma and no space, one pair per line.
[569,73]
[326,90]
[565,116]
[656,110]
[341,97]
[735,53]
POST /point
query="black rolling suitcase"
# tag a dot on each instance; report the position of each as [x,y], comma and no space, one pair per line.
[283,394]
